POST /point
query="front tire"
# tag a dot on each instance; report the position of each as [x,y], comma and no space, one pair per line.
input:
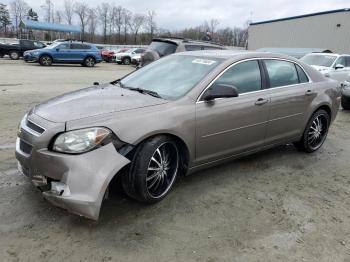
[153,170]
[126,61]
[45,60]
[315,132]
[14,55]
[345,102]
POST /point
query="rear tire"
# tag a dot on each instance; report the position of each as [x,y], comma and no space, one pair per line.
[345,102]
[89,61]
[14,55]
[45,60]
[315,132]
[153,170]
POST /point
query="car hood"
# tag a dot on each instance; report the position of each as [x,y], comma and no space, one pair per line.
[320,68]
[93,101]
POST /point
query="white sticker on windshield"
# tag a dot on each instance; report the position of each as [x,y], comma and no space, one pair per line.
[203,61]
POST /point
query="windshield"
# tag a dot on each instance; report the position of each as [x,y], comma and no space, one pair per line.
[163,48]
[173,76]
[319,60]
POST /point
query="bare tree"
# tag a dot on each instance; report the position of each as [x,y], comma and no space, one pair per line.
[150,22]
[137,21]
[118,13]
[127,15]
[68,11]
[213,23]
[92,23]
[48,8]
[19,10]
[58,17]
[81,9]
[103,12]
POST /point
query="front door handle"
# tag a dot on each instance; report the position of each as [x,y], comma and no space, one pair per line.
[261,101]
[309,93]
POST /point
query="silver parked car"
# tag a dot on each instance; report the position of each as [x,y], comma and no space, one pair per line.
[180,114]
[334,66]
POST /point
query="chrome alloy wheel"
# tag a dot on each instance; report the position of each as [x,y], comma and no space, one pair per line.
[162,169]
[317,132]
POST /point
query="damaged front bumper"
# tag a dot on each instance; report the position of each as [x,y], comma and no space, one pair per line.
[73,182]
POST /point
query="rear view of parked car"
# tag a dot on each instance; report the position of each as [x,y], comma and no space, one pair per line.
[108,54]
[15,51]
[65,52]
[178,115]
[336,67]
[161,47]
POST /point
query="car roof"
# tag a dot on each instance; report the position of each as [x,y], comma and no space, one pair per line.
[235,54]
[178,40]
[329,54]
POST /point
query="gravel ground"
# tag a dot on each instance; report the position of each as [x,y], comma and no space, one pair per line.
[279,205]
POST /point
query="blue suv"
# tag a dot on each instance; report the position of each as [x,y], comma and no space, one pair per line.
[65,52]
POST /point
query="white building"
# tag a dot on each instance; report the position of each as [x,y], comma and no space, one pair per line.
[327,30]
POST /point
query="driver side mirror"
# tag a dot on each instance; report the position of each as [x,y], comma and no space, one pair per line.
[220,91]
[338,66]
[57,49]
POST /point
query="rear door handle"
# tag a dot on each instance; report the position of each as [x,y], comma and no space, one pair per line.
[261,101]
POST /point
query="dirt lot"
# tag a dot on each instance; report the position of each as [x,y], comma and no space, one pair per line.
[279,205]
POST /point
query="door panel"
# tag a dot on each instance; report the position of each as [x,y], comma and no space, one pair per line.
[291,95]
[230,126]
[288,107]
[61,52]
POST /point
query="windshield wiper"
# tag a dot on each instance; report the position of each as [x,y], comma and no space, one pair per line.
[118,82]
[140,90]
[144,91]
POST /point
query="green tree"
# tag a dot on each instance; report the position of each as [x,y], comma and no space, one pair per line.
[5,19]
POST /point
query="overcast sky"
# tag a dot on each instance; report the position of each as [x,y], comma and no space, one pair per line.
[177,14]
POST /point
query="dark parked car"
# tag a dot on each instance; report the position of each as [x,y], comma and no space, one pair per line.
[15,51]
[177,115]
[65,52]
[161,47]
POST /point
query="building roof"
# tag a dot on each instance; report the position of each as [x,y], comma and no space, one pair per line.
[302,16]
[44,26]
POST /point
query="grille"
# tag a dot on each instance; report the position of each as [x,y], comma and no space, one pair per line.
[25,147]
[35,127]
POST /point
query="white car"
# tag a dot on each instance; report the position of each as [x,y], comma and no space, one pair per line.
[331,65]
[125,58]
[334,66]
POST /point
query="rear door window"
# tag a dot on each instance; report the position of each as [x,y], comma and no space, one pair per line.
[212,48]
[76,46]
[281,73]
[193,47]
[244,76]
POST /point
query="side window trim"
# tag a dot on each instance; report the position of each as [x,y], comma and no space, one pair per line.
[295,63]
[199,99]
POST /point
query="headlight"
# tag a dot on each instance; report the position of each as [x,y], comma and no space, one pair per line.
[80,141]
